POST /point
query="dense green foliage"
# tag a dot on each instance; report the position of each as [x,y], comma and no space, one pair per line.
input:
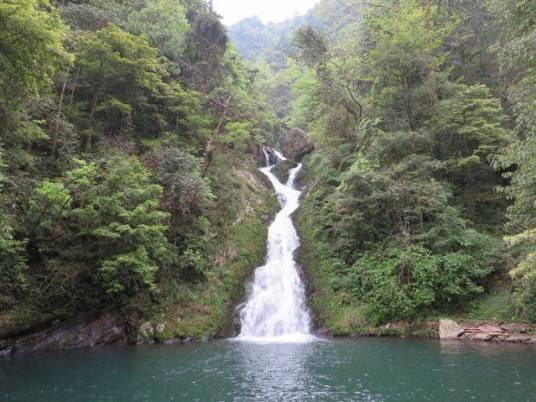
[407,103]
[129,133]
[517,60]
[111,116]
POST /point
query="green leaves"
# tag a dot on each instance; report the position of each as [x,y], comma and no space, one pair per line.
[31,47]
[13,266]
[164,24]
[111,214]
[398,284]
[403,62]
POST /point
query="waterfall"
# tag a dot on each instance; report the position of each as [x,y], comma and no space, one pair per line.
[275,310]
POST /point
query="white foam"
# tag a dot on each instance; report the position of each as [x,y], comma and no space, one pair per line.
[276,310]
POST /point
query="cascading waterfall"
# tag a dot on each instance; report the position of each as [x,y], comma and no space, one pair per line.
[275,310]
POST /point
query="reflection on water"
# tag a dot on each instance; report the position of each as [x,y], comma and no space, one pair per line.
[484,349]
[371,370]
[276,372]
[300,372]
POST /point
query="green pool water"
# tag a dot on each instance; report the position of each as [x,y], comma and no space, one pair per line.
[334,370]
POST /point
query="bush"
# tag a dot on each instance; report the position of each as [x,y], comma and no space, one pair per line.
[400,283]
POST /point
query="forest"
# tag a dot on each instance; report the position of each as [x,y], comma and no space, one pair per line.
[419,195]
[131,133]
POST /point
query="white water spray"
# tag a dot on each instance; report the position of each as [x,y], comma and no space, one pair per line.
[276,310]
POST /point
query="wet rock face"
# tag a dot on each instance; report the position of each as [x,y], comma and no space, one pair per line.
[270,157]
[106,328]
[282,170]
[296,144]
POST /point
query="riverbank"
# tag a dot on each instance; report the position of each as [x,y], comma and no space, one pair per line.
[449,330]
[110,328]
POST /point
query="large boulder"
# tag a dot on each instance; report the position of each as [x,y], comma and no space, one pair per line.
[105,328]
[449,329]
[296,144]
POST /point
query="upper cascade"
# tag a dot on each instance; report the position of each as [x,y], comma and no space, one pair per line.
[276,309]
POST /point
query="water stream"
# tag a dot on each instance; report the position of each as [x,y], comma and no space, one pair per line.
[276,310]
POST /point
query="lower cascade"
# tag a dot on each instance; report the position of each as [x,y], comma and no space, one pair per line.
[276,310]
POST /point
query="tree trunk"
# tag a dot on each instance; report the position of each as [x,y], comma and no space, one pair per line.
[75,83]
[209,150]
[58,117]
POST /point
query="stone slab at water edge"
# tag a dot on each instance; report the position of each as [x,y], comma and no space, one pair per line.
[474,331]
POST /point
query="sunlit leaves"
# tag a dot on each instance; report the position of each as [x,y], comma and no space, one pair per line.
[31,47]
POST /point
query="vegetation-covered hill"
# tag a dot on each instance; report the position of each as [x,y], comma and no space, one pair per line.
[129,134]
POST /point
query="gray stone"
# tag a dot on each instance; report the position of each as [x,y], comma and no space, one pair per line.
[105,328]
[516,328]
[483,336]
[449,329]
[518,339]
[296,144]
[146,330]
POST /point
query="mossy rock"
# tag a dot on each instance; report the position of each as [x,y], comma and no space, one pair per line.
[282,170]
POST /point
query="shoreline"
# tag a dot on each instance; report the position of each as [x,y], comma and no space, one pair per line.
[85,336]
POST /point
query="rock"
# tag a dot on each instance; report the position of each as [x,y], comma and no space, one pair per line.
[518,339]
[268,156]
[105,328]
[282,170]
[146,330]
[491,329]
[161,327]
[296,144]
[483,336]
[449,329]
[266,218]
[323,332]
[516,328]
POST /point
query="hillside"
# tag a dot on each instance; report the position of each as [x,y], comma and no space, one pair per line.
[413,208]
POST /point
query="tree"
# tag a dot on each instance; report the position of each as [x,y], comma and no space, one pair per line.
[164,24]
[202,67]
[12,260]
[107,222]
[469,128]
[119,78]
[31,47]
[517,57]
[186,197]
[403,62]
